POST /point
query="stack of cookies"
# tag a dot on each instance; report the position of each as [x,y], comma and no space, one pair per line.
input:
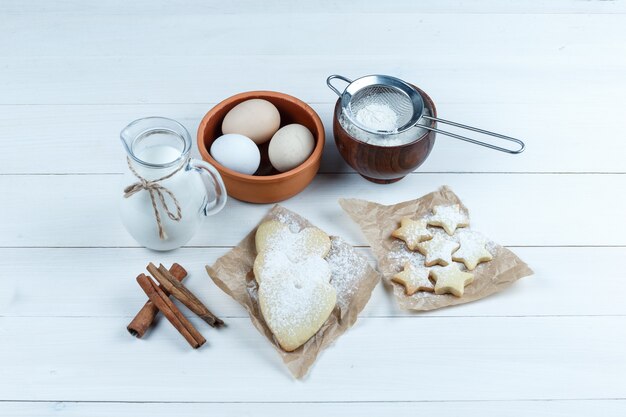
[439,272]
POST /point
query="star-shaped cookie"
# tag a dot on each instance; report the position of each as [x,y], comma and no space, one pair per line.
[451,279]
[472,250]
[414,279]
[412,232]
[448,217]
[438,250]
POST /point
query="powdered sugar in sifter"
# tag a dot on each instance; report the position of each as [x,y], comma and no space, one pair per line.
[407,104]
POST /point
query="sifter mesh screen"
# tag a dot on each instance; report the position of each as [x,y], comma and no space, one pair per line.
[392,107]
[379,94]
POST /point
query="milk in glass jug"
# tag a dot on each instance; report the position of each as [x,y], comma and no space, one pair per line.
[166,194]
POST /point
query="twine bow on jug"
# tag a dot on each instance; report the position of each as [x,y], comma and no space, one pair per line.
[153,187]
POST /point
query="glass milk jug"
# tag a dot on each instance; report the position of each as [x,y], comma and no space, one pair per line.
[166,194]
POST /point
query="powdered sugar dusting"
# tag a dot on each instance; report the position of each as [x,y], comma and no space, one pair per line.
[277,265]
[295,292]
[298,245]
[473,249]
[412,232]
[287,218]
[449,217]
[438,250]
[399,253]
[347,268]
[475,238]
[378,116]
[290,305]
[296,295]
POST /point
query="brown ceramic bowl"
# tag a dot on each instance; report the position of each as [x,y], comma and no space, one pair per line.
[384,164]
[267,185]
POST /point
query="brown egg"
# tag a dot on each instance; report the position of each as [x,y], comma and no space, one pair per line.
[257,119]
[290,147]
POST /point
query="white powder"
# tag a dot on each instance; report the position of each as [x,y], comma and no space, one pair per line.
[378,117]
[451,216]
[399,254]
[291,244]
[347,269]
[277,265]
[295,224]
[292,305]
[391,139]
[292,289]
[292,292]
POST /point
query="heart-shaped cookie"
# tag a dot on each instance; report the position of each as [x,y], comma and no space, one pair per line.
[296,298]
[308,242]
[272,263]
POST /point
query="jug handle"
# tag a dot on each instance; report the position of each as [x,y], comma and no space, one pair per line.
[204,168]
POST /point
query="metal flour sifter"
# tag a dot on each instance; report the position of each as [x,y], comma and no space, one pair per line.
[408,105]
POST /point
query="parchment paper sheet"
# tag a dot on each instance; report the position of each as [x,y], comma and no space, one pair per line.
[233,274]
[378,221]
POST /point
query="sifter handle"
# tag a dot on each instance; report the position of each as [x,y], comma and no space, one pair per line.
[332,87]
[476,141]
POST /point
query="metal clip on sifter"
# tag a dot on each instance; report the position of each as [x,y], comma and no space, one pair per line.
[408,105]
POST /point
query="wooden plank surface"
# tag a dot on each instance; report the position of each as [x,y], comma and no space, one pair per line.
[513,209]
[73,73]
[84,138]
[538,408]
[244,7]
[133,80]
[439,358]
[212,34]
[107,288]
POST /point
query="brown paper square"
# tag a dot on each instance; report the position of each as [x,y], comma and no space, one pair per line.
[378,221]
[353,281]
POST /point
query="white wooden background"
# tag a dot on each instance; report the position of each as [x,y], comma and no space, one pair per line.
[74,72]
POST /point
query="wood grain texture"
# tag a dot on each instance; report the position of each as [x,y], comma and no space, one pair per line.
[73,73]
[246,7]
[109,290]
[513,210]
[529,357]
[384,165]
[85,138]
[537,408]
[208,34]
[134,80]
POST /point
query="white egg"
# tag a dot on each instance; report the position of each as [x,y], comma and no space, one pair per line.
[236,152]
[256,118]
[290,147]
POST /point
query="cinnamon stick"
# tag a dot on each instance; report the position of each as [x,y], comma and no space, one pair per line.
[182,294]
[144,318]
[171,312]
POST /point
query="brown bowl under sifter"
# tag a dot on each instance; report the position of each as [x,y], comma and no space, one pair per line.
[384,164]
[269,186]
